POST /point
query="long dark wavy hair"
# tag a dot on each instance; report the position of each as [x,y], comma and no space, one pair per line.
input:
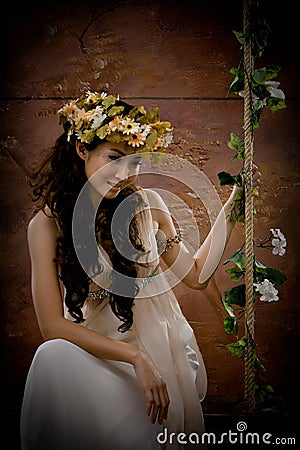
[56,184]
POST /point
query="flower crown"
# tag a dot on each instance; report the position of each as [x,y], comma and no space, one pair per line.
[104,116]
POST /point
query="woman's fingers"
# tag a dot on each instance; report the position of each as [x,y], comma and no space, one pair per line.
[256,175]
[153,408]
[156,406]
[161,406]
[165,401]
[154,388]
[158,403]
[149,406]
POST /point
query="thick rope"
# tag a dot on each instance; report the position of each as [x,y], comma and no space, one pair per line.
[248,182]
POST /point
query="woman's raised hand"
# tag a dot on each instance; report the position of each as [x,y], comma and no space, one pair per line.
[154,388]
[256,175]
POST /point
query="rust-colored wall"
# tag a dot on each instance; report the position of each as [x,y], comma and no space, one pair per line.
[177,56]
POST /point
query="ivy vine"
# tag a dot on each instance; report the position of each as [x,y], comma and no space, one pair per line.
[265,93]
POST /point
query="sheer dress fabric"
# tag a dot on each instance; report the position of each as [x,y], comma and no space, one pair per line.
[73,400]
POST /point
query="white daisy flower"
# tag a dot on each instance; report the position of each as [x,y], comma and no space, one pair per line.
[129,126]
[136,139]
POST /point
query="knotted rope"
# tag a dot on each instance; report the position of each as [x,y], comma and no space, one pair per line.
[248,183]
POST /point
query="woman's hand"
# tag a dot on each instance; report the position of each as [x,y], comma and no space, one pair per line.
[154,388]
[256,175]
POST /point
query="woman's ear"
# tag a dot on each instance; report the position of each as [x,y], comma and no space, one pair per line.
[81,150]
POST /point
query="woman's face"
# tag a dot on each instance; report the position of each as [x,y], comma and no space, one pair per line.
[110,167]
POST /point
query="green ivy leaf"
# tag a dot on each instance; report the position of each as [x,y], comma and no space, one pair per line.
[237,83]
[272,71]
[240,36]
[257,364]
[234,296]
[237,207]
[227,306]
[238,258]
[275,276]
[258,264]
[226,179]
[255,118]
[235,273]
[274,104]
[259,75]
[238,348]
[231,325]
[236,143]
[260,272]
[264,392]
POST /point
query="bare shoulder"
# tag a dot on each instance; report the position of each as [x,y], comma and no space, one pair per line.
[43,226]
[159,210]
[155,200]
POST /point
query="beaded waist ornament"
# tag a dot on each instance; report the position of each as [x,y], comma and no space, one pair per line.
[101,294]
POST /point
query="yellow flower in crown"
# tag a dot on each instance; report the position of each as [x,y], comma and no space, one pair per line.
[99,116]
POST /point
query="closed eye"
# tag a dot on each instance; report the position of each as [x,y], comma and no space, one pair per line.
[114,157]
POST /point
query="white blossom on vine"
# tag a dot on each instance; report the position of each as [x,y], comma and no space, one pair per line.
[272,88]
[267,290]
[278,242]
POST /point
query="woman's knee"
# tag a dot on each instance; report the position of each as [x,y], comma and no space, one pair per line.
[53,351]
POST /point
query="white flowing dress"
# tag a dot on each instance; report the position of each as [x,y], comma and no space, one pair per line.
[75,401]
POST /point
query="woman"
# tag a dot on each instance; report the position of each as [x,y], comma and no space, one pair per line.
[120,367]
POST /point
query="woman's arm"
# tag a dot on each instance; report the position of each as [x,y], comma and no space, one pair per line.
[194,270]
[48,304]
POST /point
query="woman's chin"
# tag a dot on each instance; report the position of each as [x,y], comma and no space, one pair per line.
[112,193]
